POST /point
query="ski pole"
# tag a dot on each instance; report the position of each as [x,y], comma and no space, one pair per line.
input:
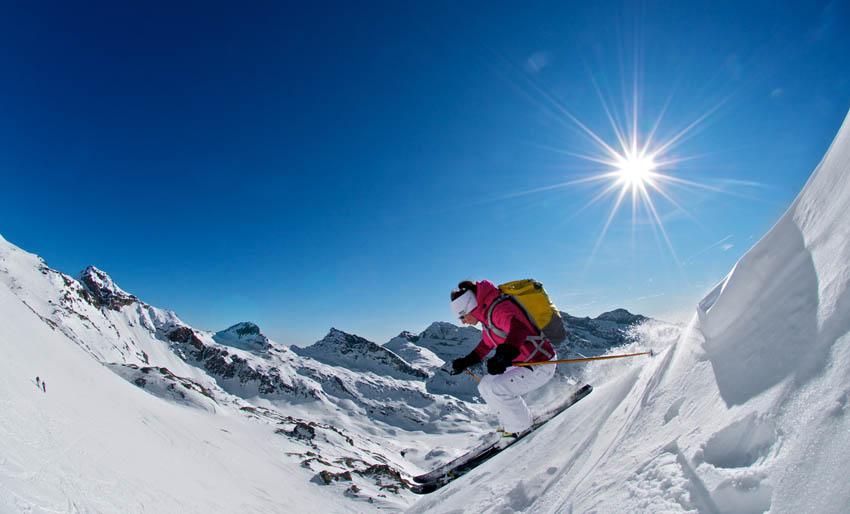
[473,375]
[585,359]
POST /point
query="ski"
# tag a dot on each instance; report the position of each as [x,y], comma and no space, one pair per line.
[493,445]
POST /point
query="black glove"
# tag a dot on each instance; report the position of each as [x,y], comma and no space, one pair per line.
[460,364]
[505,353]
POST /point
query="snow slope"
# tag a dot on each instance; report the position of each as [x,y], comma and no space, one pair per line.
[312,424]
[345,421]
[748,411]
[96,443]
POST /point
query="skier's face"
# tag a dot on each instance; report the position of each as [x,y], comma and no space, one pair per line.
[469,319]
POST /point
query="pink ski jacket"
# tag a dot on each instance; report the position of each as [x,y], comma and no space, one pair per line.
[508,317]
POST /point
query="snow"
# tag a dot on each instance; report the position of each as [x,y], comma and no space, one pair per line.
[364,432]
[95,443]
[744,410]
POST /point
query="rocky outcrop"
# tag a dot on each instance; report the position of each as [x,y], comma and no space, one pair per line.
[160,381]
[104,292]
[226,366]
[245,335]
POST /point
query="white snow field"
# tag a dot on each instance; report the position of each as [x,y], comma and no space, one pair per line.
[747,412]
[96,443]
[132,421]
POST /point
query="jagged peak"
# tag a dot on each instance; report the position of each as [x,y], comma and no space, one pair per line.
[100,280]
[101,285]
[340,348]
[336,337]
[335,332]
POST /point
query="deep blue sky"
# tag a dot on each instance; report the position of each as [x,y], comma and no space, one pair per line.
[332,165]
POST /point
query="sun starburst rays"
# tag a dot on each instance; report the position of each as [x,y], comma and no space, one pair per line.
[638,171]
[633,162]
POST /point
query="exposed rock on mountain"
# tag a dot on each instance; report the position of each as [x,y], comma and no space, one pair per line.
[598,334]
[246,336]
[163,383]
[104,291]
[448,341]
[621,316]
[356,353]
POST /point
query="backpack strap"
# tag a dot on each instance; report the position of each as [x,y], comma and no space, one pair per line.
[536,341]
[494,329]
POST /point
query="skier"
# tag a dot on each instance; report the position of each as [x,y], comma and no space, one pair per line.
[503,388]
[44,386]
[37,381]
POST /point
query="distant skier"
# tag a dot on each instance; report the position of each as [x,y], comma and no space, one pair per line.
[44,386]
[503,387]
[37,382]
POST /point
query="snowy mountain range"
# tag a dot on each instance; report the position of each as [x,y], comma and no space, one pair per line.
[112,405]
[355,412]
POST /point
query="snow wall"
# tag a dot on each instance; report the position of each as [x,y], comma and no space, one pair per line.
[786,302]
[781,319]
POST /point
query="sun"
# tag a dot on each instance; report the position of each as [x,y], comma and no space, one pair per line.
[635,170]
[637,164]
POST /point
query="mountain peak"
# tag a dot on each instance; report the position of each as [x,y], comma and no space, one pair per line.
[104,289]
[344,342]
[244,335]
[620,316]
[245,328]
[340,348]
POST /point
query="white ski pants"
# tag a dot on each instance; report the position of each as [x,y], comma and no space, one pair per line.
[503,393]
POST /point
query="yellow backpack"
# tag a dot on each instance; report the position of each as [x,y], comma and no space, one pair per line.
[530,296]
